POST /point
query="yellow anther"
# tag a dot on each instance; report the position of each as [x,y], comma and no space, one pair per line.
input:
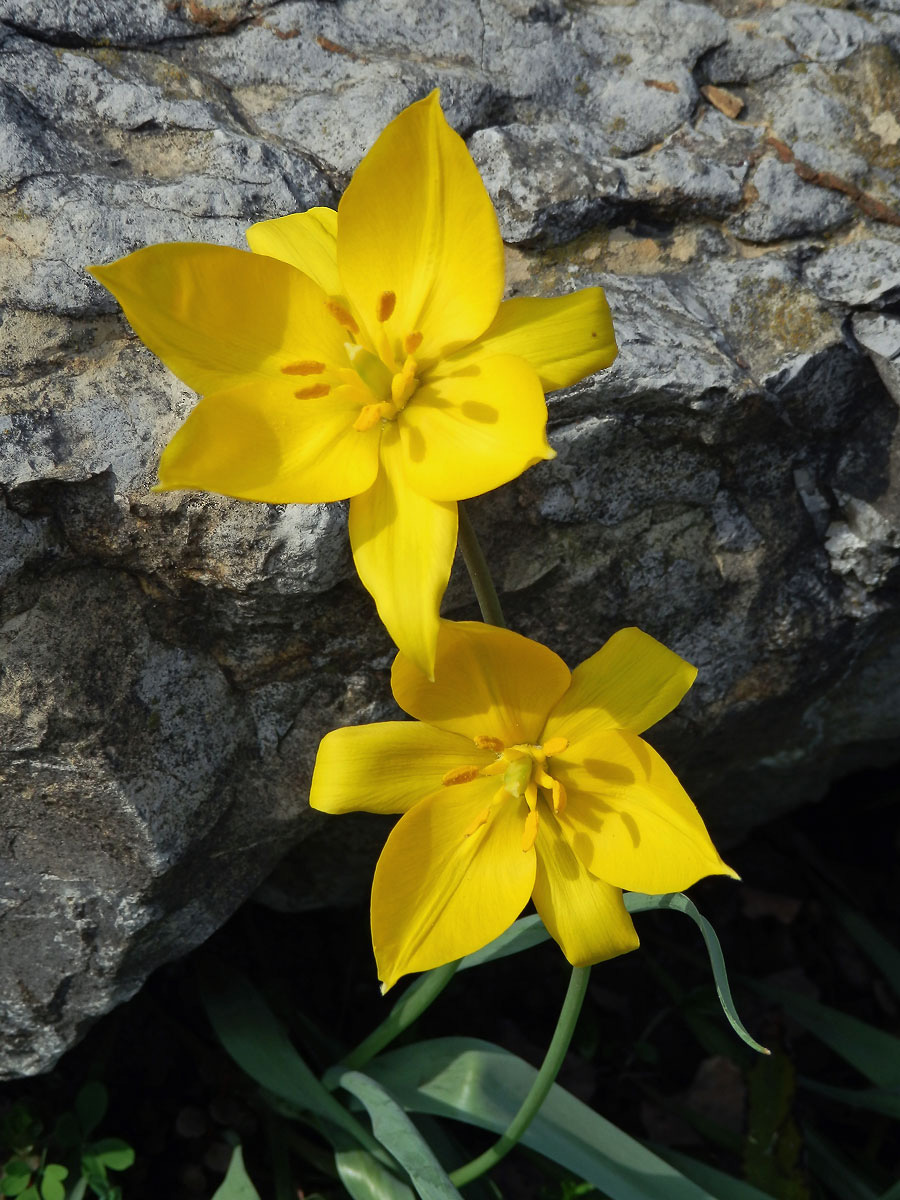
[529,833]
[341,315]
[412,342]
[307,366]
[386,303]
[371,414]
[404,383]
[484,741]
[459,775]
[481,819]
[559,796]
[555,746]
[314,392]
[531,795]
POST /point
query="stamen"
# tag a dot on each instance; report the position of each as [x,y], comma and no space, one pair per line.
[459,775]
[495,768]
[484,741]
[555,746]
[531,796]
[529,834]
[306,366]
[404,383]
[314,392]
[480,820]
[370,415]
[412,342]
[341,315]
[386,303]
[545,780]
[559,796]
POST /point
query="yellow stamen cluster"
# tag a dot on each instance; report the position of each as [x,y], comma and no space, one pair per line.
[525,774]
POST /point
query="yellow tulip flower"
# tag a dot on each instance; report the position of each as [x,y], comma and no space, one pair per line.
[519,780]
[366,354]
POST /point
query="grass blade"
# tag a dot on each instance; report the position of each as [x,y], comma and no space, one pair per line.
[716,1182]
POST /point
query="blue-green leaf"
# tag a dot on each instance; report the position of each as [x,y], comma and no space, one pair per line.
[396,1132]
[879,1100]
[481,1084]
[873,1052]
[637,902]
[237,1184]
[365,1178]
[522,935]
[717,1183]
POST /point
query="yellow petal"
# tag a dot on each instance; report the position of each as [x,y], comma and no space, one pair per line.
[259,442]
[487,681]
[628,818]
[219,317]
[585,915]
[448,883]
[307,241]
[630,683]
[417,222]
[563,337]
[403,546]
[387,767]
[470,431]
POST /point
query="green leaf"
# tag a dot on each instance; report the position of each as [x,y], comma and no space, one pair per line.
[716,1182]
[637,902]
[873,1052]
[236,1185]
[365,1178]
[113,1153]
[52,1177]
[396,1132]
[840,1177]
[893,1192]
[90,1106]
[883,953]
[16,1177]
[258,1043]
[479,1083]
[873,1099]
[522,935]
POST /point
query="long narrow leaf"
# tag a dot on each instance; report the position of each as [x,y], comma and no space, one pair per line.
[873,1052]
[883,953]
[522,935]
[637,902]
[872,1099]
[716,1182]
[237,1184]
[258,1043]
[399,1136]
[834,1170]
[366,1179]
[481,1084]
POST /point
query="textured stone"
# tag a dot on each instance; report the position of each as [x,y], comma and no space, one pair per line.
[169,662]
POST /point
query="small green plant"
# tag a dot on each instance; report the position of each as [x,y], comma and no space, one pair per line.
[65,1164]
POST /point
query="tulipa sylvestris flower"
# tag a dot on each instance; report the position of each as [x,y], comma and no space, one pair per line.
[519,780]
[366,354]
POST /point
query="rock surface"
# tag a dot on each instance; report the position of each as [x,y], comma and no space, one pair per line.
[727,171]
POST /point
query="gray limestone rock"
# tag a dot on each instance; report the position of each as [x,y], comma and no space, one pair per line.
[168,662]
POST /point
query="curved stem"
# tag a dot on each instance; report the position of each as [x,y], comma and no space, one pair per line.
[408,1008]
[479,573]
[553,1060]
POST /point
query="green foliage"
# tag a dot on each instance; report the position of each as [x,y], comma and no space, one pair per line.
[66,1164]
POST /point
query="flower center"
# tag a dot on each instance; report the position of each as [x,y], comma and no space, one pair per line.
[525,776]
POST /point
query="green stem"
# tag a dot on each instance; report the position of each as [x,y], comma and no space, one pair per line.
[408,1009]
[479,573]
[543,1082]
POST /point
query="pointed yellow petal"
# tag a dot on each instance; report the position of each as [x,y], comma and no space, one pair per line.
[219,317]
[629,820]
[468,432]
[260,442]
[387,767]
[447,883]
[630,683]
[403,546]
[564,338]
[585,915]
[307,241]
[416,220]
[486,681]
